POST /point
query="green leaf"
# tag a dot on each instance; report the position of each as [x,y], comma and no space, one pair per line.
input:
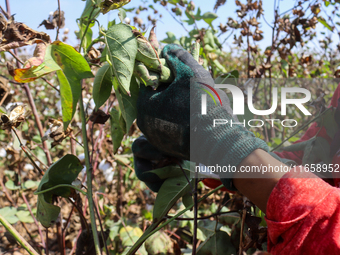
[64,171]
[88,36]
[3,110]
[227,78]
[327,3]
[284,67]
[24,216]
[315,150]
[102,85]
[74,68]
[208,227]
[324,23]
[122,14]
[171,190]
[327,120]
[24,75]
[187,200]
[198,14]
[117,133]
[129,235]
[128,104]
[218,243]
[122,50]
[36,139]
[171,38]
[85,16]
[209,17]
[190,15]
[159,243]
[9,214]
[11,186]
[29,184]
[173,170]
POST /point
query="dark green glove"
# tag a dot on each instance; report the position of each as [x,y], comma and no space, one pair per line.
[147,158]
[170,118]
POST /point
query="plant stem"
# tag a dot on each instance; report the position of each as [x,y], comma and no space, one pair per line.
[35,220]
[60,186]
[17,236]
[89,176]
[87,27]
[38,122]
[57,36]
[140,241]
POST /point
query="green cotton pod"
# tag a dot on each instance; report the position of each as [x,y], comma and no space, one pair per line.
[166,74]
[153,39]
[195,50]
[147,55]
[149,78]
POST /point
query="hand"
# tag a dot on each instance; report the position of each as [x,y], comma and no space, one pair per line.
[170,118]
[147,158]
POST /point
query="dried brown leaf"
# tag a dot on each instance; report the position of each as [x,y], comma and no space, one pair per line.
[53,20]
[18,34]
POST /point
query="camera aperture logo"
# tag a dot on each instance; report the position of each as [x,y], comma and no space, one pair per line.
[204,96]
[239,106]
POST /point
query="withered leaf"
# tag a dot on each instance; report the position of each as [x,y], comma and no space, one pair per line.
[53,20]
[56,132]
[99,117]
[108,5]
[223,28]
[253,21]
[306,59]
[17,115]
[219,3]
[17,34]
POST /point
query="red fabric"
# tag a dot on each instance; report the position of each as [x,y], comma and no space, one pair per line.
[312,131]
[213,183]
[303,216]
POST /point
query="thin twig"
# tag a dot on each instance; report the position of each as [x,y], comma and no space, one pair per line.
[47,251]
[57,36]
[15,56]
[179,22]
[8,8]
[186,177]
[26,152]
[4,189]
[35,220]
[49,83]
[61,241]
[87,27]
[244,213]
[101,230]
[299,129]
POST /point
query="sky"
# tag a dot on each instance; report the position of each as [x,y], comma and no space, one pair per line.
[32,12]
